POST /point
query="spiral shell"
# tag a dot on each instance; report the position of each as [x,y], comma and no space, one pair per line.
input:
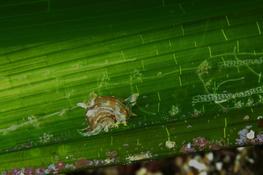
[105,112]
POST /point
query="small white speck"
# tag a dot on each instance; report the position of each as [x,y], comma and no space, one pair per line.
[246,117]
[219,166]
[240,148]
[82,105]
[140,156]
[108,161]
[251,134]
[248,127]
[170,144]
[260,117]
[141,171]
[203,173]
[174,110]
[250,160]
[45,138]
[210,156]
[189,126]
[197,165]
[189,145]
[30,118]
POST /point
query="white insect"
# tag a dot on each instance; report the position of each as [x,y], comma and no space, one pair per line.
[105,112]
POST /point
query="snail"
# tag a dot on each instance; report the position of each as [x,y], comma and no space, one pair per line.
[105,112]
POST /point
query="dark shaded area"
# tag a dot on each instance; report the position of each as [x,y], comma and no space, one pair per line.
[48,21]
[240,161]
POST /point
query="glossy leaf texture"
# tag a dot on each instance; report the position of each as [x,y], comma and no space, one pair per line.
[196,64]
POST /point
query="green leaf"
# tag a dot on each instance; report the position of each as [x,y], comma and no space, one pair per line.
[197,66]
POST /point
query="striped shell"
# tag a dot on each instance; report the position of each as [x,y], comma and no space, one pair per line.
[105,112]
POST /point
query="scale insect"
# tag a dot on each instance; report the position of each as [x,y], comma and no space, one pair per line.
[105,112]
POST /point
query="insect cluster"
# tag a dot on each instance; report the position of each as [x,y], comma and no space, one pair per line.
[105,112]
